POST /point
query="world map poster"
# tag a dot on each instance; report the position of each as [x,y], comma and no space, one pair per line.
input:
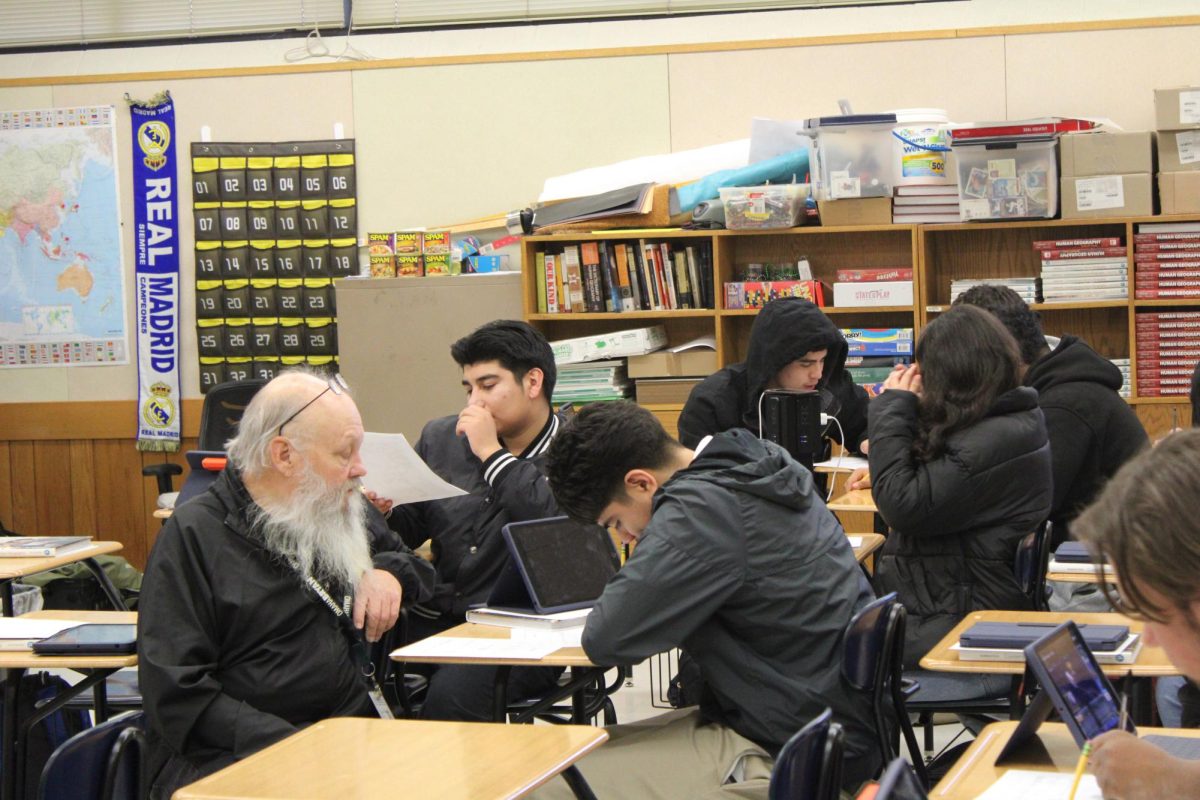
[62,285]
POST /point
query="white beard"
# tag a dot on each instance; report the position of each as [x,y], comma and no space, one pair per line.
[321,529]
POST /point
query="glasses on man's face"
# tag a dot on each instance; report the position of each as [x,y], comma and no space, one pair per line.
[337,385]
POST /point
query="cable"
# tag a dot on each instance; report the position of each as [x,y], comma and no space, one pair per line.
[825,420]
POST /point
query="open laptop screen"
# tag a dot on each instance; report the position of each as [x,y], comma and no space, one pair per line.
[564,564]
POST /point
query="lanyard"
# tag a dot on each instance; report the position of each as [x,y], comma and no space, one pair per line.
[358,645]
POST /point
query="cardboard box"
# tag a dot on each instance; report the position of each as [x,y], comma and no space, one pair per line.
[756,294]
[1179,192]
[1084,154]
[698,361]
[1107,196]
[1177,109]
[879,341]
[862,211]
[634,342]
[666,391]
[1178,151]
[879,293]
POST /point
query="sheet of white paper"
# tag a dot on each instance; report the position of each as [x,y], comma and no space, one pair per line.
[843,463]
[709,342]
[482,649]
[18,628]
[559,637]
[855,541]
[395,471]
[1023,784]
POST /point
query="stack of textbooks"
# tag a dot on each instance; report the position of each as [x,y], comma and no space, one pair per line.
[1126,385]
[591,382]
[1167,260]
[1083,270]
[612,277]
[925,205]
[1025,287]
[1168,348]
[880,286]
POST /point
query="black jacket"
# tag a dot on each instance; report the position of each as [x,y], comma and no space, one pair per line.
[783,331]
[744,567]
[234,653]
[1092,430]
[468,548]
[957,520]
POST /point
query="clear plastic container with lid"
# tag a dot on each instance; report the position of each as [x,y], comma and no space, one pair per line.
[764,207]
[854,155]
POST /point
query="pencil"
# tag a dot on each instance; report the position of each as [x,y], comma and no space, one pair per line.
[1079,768]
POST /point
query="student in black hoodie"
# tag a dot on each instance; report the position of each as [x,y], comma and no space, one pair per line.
[739,562]
[1092,430]
[793,345]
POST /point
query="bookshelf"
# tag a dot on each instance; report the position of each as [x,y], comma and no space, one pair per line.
[937,254]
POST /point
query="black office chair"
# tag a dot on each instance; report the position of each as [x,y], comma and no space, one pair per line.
[104,762]
[809,766]
[900,782]
[1033,558]
[872,662]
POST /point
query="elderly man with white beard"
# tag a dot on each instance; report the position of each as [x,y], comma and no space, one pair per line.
[259,593]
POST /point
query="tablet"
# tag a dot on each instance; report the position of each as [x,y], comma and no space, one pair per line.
[91,639]
[562,564]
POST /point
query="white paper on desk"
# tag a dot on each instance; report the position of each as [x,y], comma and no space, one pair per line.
[395,471]
[855,541]
[843,463]
[482,649]
[560,637]
[1024,784]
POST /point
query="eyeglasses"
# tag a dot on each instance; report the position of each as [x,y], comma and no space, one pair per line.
[337,385]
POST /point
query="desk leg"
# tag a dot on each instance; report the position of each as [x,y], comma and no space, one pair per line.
[6,596]
[8,738]
[500,694]
[579,787]
[114,596]
[579,714]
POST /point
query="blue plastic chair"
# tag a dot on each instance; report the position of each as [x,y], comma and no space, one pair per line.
[872,662]
[899,782]
[103,762]
[809,766]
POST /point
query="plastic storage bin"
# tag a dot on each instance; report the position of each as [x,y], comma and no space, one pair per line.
[1007,180]
[854,156]
[762,207]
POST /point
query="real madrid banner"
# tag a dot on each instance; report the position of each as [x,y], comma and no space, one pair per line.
[156,240]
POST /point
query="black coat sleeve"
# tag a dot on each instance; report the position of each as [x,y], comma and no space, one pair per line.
[390,553]
[179,649]
[521,488]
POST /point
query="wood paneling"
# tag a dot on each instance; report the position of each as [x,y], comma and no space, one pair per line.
[83,495]
[108,419]
[52,479]
[24,492]
[1157,418]
[6,500]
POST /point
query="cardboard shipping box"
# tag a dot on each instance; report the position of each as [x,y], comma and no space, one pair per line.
[1179,192]
[860,211]
[697,362]
[1177,109]
[634,342]
[1178,151]
[1107,196]
[1084,154]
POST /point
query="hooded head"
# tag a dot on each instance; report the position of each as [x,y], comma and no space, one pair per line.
[784,332]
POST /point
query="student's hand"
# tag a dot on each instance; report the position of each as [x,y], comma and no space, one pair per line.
[384,504]
[377,603]
[905,378]
[1128,768]
[865,446]
[859,479]
[478,425]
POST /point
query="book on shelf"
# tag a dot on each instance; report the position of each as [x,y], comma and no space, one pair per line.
[1168,227]
[1158,238]
[592,281]
[938,209]
[1072,253]
[552,283]
[926,219]
[926,200]
[683,281]
[33,546]
[1019,129]
[946,189]
[540,261]
[1166,247]
[874,274]
[615,277]
[626,292]
[636,199]
[506,618]
[1085,261]
[1092,242]
[1166,256]
[1153,294]
[573,279]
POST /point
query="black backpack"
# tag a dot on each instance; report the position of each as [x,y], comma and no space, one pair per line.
[33,692]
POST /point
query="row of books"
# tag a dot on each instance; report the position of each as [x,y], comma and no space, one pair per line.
[925,205]
[1167,260]
[1026,287]
[596,277]
[1122,364]
[1168,349]
[1083,270]
[591,382]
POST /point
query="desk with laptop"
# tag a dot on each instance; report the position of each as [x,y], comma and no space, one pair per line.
[27,555]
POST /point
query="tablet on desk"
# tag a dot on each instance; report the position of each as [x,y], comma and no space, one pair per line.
[90,640]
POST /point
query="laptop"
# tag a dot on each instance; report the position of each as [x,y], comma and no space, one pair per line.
[554,565]
[92,639]
[1074,686]
[1018,635]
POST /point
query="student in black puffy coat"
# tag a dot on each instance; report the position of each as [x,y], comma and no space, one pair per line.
[960,467]
[793,345]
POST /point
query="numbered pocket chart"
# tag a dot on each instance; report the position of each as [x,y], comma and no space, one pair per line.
[276,223]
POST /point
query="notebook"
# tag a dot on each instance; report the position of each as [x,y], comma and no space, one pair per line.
[33,546]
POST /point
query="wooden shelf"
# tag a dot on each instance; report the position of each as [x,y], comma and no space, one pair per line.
[938,309]
[630,315]
[750,312]
[1158,401]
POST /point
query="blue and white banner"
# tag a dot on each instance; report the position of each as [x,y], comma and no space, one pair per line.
[156,240]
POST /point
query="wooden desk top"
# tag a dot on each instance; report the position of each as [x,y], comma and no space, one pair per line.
[1151,661]
[563,657]
[1082,577]
[360,758]
[854,500]
[870,543]
[976,770]
[24,659]
[19,567]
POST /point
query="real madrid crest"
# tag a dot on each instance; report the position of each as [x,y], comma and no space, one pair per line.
[159,411]
[153,138]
